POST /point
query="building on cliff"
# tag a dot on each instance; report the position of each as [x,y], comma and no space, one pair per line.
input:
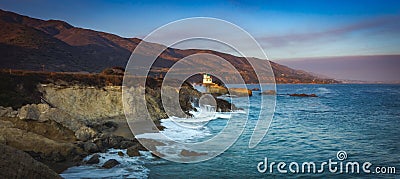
[207,79]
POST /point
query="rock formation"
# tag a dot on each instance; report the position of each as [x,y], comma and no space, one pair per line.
[17,164]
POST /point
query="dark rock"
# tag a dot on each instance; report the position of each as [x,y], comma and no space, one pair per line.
[121,154]
[108,126]
[255,89]
[90,147]
[110,164]
[160,127]
[133,151]
[101,145]
[114,141]
[126,144]
[225,106]
[303,95]
[94,159]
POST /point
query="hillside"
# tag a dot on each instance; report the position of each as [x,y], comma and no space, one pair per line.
[53,45]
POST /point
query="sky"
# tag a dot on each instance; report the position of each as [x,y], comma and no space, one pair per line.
[285,29]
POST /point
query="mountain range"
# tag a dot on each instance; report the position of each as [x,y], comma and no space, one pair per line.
[53,45]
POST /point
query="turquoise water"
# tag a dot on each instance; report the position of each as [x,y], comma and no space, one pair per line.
[362,120]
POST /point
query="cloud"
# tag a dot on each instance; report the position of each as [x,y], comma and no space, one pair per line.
[385,24]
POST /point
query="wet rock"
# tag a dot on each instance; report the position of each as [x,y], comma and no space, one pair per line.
[255,89]
[114,141]
[303,95]
[121,154]
[94,159]
[133,151]
[110,164]
[225,106]
[188,153]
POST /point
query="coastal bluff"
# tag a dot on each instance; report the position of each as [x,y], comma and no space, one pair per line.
[60,118]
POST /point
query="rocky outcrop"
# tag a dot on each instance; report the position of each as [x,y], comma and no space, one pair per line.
[17,164]
[33,112]
[45,149]
[43,113]
[269,92]
[47,142]
[216,89]
[188,153]
[55,145]
[240,92]
[220,90]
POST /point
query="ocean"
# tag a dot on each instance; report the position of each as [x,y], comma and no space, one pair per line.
[358,121]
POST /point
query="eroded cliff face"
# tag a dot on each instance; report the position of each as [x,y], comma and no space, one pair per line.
[84,102]
[90,104]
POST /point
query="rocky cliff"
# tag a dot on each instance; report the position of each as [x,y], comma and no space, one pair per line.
[83,102]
